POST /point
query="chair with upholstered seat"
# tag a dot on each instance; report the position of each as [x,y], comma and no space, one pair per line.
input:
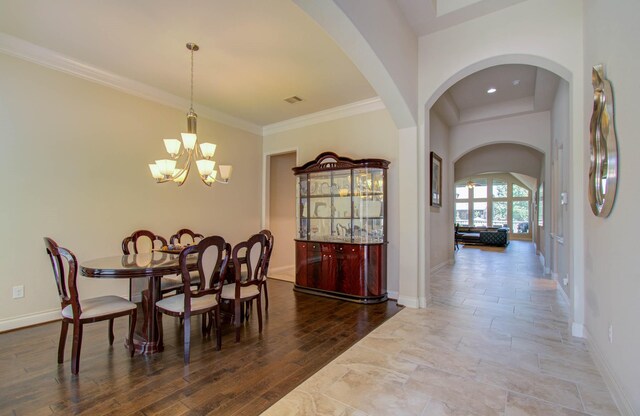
[213,256]
[78,311]
[186,237]
[145,241]
[247,258]
[265,267]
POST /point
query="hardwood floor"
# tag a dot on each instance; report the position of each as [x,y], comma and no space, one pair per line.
[302,333]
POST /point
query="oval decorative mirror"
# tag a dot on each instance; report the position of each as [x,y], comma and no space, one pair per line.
[603,171]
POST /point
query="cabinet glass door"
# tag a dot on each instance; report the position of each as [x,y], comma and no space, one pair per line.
[320,207]
[341,201]
[302,211]
[368,205]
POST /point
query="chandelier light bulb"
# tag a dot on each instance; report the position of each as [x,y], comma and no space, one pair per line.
[205,167]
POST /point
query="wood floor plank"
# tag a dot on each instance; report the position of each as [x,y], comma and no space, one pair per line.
[302,333]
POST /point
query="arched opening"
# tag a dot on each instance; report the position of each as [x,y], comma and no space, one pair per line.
[522,135]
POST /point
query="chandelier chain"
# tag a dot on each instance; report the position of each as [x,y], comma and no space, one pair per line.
[191,105]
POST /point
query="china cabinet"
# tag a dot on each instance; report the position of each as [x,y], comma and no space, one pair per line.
[341,246]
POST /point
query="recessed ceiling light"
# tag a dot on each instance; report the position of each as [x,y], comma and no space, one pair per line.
[491,90]
[516,82]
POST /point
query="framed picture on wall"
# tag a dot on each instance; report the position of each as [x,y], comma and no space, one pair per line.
[436,180]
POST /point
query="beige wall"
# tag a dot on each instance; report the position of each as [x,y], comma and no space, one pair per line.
[282,216]
[73,167]
[557,231]
[369,135]
[441,218]
[611,267]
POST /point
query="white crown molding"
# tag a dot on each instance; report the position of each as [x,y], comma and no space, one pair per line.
[348,110]
[19,48]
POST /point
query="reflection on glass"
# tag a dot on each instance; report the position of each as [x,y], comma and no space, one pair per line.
[499,213]
[480,213]
[462,213]
[499,188]
[480,188]
[462,192]
[519,191]
[520,217]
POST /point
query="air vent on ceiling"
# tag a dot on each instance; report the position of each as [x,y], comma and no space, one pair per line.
[293,100]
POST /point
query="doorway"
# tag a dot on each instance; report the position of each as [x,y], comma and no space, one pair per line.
[280,218]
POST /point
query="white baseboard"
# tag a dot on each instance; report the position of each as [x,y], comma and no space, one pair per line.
[577,330]
[276,270]
[409,301]
[424,301]
[392,294]
[619,397]
[29,319]
[441,265]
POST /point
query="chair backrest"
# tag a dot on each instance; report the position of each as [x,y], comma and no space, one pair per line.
[213,257]
[248,259]
[185,236]
[267,257]
[64,260]
[142,241]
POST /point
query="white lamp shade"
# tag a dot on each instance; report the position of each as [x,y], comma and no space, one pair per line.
[208,150]
[225,172]
[166,166]
[172,146]
[155,171]
[189,140]
[205,167]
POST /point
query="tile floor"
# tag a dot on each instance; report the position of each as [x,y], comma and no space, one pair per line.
[494,341]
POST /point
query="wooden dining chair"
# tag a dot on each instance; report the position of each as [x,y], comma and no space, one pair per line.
[145,241]
[265,267]
[78,311]
[185,237]
[213,256]
[247,258]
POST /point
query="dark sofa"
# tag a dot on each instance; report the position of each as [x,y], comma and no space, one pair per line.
[492,236]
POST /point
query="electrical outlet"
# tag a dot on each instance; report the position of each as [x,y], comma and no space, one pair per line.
[18,292]
[565,279]
[611,333]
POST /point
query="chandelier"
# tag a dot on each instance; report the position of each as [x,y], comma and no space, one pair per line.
[165,170]
[471,185]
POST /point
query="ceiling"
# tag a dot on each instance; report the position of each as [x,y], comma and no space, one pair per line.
[253,53]
[520,89]
[428,16]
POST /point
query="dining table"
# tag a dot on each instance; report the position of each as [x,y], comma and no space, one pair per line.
[151,266]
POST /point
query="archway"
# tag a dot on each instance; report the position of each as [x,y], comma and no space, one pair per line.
[548,145]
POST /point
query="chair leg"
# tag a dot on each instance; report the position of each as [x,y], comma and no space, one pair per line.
[75,349]
[237,315]
[187,339]
[266,295]
[132,328]
[111,337]
[217,320]
[63,340]
[205,326]
[160,329]
[259,313]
